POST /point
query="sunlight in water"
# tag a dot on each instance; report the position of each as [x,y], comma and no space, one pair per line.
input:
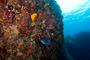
[71,5]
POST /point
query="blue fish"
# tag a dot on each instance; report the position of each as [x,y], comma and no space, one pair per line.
[45,42]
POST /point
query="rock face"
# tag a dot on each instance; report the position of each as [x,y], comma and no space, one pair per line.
[77,47]
[25,24]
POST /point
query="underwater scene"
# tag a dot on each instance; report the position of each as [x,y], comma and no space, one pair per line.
[76,27]
[44,30]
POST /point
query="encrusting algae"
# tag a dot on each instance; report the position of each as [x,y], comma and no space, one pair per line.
[31,30]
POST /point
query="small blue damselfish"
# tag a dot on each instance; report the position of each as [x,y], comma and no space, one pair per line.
[45,42]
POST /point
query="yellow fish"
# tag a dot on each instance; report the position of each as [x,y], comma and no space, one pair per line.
[33,16]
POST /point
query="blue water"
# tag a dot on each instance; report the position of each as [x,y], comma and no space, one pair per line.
[75,23]
[76,15]
[76,27]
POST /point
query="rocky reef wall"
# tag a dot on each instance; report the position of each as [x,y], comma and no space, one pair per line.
[31,30]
